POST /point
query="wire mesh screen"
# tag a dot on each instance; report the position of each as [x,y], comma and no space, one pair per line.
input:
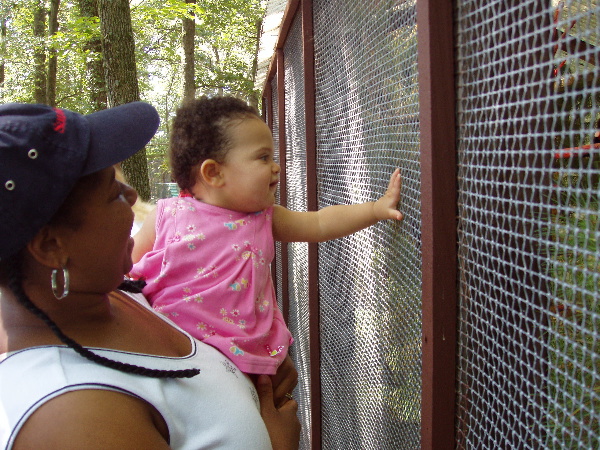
[274,112]
[528,101]
[369,283]
[297,201]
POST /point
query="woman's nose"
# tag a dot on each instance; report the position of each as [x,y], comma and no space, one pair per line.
[130,194]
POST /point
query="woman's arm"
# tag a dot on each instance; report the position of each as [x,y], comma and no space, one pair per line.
[144,239]
[94,419]
[336,221]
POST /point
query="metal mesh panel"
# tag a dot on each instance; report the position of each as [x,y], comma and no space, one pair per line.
[528,331]
[296,200]
[274,99]
[367,125]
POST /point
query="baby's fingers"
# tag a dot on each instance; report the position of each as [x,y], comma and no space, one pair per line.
[395,184]
[395,214]
[393,178]
[393,191]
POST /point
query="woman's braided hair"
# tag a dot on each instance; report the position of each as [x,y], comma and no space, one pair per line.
[12,269]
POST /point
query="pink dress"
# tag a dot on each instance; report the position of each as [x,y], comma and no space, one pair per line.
[209,272]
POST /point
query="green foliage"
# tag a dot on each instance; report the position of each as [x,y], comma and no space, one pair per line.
[225,48]
[225,43]
[574,271]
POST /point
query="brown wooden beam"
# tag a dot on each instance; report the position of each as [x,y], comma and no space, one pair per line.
[438,212]
[308,53]
[285,295]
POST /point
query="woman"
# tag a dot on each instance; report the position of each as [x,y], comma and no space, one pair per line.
[83,365]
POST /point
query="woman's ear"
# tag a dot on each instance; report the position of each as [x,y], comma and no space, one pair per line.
[211,173]
[47,249]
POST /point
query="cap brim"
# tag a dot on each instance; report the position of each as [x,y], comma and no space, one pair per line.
[118,133]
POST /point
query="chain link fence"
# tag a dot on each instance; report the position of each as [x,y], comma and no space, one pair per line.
[369,283]
[296,200]
[528,313]
[528,91]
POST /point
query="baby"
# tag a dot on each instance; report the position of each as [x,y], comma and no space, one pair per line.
[206,258]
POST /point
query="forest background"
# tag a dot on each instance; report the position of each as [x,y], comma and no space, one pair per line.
[88,55]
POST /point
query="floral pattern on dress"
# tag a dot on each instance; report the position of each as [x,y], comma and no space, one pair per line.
[213,262]
[205,330]
[233,225]
[238,285]
[188,296]
[203,272]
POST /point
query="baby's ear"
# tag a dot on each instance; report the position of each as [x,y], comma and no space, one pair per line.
[211,174]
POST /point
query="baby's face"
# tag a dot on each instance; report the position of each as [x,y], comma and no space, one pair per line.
[249,171]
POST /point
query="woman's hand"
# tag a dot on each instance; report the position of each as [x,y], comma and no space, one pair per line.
[282,423]
[284,381]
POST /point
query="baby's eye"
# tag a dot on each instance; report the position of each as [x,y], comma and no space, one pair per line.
[265,157]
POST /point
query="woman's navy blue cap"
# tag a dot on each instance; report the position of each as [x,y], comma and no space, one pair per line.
[44,151]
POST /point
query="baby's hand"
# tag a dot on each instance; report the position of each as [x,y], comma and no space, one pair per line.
[385,207]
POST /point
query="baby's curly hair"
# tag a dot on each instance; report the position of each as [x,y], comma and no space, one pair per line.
[199,133]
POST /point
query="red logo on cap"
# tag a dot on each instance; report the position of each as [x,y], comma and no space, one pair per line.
[60,122]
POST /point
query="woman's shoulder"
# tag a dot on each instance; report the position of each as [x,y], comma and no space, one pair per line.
[37,382]
[126,421]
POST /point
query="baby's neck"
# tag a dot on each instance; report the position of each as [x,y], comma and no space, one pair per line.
[214,202]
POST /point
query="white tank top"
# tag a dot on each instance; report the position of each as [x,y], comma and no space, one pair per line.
[216,409]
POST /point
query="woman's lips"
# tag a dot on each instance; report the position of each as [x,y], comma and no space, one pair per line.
[130,244]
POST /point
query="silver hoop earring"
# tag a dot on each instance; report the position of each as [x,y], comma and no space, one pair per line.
[65,290]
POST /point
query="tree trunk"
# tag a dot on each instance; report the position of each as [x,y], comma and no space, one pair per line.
[215,50]
[52,59]
[253,100]
[118,47]
[39,56]
[189,33]
[2,50]
[95,63]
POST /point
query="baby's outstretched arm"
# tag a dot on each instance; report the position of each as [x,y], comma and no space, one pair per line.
[336,221]
[144,239]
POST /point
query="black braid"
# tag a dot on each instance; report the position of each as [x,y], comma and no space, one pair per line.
[15,284]
[133,286]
